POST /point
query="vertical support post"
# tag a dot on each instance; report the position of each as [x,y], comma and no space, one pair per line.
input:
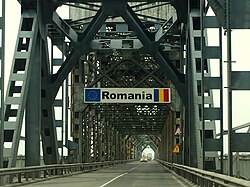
[166,141]
[222,108]
[85,136]
[107,141]
[186,129]
[229,90]
[190,151]
[63,120]
[116,145]
[188,112]
[120,147]
[96,136]
[102,139]
[91,135]
[60,101]
[2,47]
[66,113]
[33,111]
[80,140]
[202,84]
[112,143]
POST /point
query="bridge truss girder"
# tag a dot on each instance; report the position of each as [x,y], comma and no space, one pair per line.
[95,63]
[124,66]
[49,24]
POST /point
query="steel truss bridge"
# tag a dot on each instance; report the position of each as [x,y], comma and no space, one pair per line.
[122,44]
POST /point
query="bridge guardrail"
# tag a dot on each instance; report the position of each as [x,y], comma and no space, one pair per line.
[205,178]
[30,174]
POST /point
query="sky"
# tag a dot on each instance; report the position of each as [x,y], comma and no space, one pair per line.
[240,54]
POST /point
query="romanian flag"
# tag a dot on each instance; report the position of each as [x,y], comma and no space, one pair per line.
[162,95]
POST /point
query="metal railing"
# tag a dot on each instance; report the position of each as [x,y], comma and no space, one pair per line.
[205,178]
[16,176]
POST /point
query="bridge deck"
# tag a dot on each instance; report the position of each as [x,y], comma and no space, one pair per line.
[132,174]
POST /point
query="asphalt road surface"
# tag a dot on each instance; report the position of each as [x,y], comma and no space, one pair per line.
[134,174]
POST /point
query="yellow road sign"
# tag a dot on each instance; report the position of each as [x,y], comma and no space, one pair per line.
[176,149]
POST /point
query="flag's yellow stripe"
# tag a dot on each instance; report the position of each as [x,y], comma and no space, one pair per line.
[161,95]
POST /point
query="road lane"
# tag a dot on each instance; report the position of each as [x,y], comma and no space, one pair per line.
[133,174]
[149,174]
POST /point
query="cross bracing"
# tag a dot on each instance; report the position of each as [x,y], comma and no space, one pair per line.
[120,44]
[130,64]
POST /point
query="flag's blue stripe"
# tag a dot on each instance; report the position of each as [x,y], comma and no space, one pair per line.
[156,95]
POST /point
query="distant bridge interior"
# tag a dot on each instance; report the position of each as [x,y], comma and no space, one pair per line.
[124,44]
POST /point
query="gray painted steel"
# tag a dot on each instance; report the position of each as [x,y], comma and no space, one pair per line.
[2,52]
[118,44]
[33,111]
[17,94]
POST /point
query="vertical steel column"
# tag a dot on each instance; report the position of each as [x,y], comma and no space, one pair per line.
[109,142]
[66,111]
[96,142]
[85,152]
[78,118]
[33,111]
[222,107]
[98,136]
[164,139]
[193,76]
[120,147]
[2,52]
[128,150]
[89,127]
[189,121]
[188,110]
[171,141]
[117,145]
[59,102]
[229,89]
[91,134]
[18,85]
[132,148]
[160,146]
[78,111]
[106,140]
[201,111]
[202,3]
[211,145]
[81,118]
[101,140]
[112,144]
[123,156]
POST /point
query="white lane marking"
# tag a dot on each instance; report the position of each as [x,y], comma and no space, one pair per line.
[179,181]
[133,168]
[113,179]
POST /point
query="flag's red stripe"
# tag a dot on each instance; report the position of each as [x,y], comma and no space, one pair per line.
[166,95]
